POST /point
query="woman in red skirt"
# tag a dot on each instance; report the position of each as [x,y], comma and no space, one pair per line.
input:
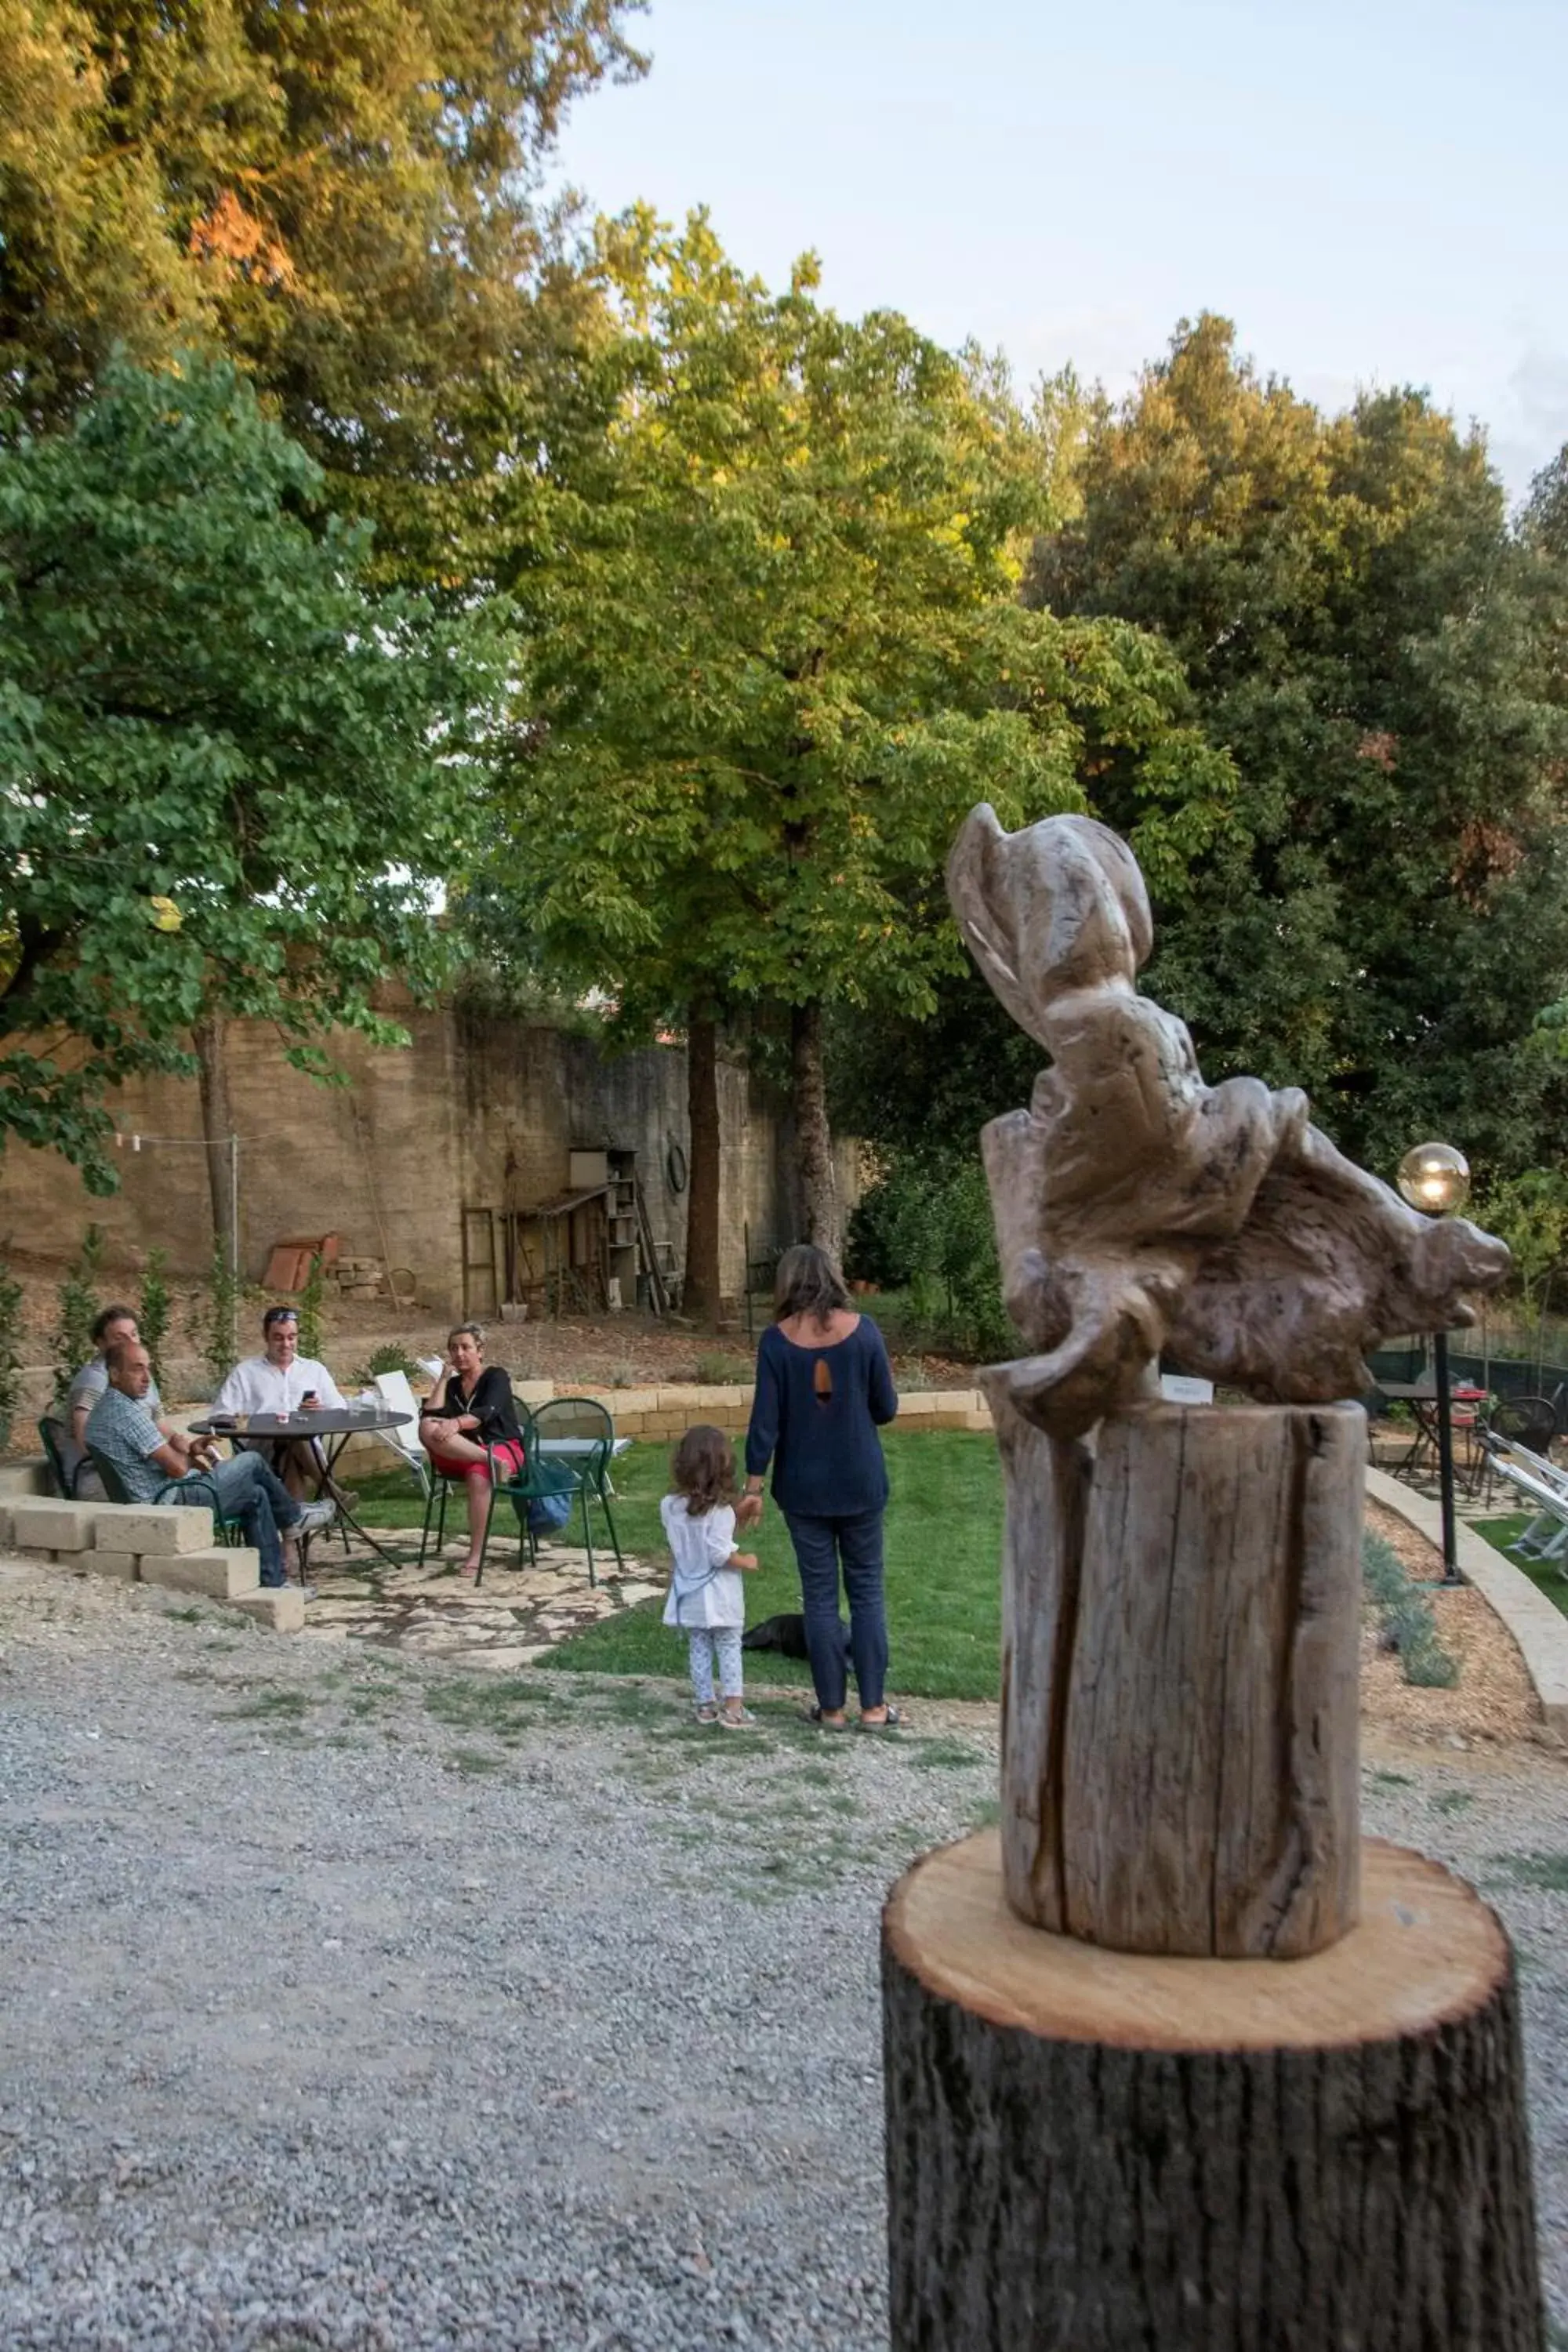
[468,1423]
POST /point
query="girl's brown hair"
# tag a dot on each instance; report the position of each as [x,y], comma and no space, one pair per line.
[704,1469]
[807,1282]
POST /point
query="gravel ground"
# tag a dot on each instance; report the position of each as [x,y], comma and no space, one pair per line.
[353,2003]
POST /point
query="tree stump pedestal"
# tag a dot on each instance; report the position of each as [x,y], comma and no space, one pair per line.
[1096,2151]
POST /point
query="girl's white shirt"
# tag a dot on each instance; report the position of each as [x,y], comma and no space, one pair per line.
[702,1591]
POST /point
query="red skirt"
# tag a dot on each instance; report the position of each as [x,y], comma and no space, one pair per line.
[506,1452]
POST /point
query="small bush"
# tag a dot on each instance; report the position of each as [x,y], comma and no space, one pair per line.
[78,1304]
[215,1333]
[153,1307]
[10,1342]
[1407,1623]
[310,1311]
[391,1358]
[723,1371]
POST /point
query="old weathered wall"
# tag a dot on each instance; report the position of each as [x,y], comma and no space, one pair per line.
[477,1109]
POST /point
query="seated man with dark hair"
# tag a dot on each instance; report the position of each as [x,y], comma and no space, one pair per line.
[81,1478]
[120,1428]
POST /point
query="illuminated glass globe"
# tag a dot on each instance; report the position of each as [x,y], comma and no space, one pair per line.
[1436,1177]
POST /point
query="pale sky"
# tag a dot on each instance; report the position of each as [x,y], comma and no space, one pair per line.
[1375,191]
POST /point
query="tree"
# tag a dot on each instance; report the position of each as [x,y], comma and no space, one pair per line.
[228,773]
[1374,648]
[344,199]
[776,654]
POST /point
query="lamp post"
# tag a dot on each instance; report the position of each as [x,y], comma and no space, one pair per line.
[1435,1179]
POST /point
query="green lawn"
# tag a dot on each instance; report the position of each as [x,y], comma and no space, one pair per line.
[1503,1534]
[943,1582]
[943,1577]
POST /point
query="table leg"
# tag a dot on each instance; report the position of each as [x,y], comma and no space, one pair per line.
[345,1516]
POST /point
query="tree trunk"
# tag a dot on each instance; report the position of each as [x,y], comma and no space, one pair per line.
[813,1138]
[701,1292]
[1104,2152]
[210,1039]
[1181,1623]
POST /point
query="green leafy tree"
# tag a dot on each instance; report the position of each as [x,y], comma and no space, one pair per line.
[228,773]
[776,654]
[1377,651]
[345,200]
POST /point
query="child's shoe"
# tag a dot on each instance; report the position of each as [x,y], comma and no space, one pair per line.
[744,1721]
[708,1714]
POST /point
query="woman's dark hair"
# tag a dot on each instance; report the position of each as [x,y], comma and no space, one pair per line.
[703,1469]
[100,1323]
[807,1282]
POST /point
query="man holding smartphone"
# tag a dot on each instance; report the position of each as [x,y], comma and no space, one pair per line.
[280,1380]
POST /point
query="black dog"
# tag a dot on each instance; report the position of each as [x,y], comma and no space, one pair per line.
[784,1634]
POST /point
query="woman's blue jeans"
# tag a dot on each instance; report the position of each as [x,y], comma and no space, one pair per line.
[821,1547]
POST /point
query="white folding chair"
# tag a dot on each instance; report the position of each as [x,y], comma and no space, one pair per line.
[1546,1537]
[399,1397]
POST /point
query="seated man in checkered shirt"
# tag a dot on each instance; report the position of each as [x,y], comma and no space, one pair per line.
[123,1432]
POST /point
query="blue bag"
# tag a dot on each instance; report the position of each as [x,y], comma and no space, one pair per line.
[548,1512]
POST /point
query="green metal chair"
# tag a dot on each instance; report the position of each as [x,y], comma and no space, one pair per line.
[586,1425]
[228,1532]
[540,1479]
[52,1433]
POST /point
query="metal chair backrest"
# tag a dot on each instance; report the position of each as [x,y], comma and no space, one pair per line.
[583,1419]
[52,1433]
[1529,1422]
[114,1486]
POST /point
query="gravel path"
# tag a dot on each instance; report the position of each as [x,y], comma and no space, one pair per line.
[354,2003]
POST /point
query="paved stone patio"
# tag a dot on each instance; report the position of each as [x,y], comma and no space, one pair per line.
[516,1615]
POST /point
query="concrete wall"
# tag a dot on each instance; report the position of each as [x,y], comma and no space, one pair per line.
[477,1109]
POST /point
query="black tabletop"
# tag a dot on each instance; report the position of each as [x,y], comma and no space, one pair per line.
[331,1421]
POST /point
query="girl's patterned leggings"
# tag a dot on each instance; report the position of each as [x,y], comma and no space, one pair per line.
[715,1646]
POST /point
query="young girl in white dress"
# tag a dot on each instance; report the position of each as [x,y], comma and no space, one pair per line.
[706,1601]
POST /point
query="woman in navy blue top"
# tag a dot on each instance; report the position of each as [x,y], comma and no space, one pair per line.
[824,1388]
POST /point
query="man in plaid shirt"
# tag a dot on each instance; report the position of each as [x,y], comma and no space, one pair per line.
[121,1430]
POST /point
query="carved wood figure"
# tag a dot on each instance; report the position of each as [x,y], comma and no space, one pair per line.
[1169,2059]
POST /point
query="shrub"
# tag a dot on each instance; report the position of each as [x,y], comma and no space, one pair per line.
[71,1340]
[153,1307]
[391,1356]
[723,1371]
[310,1310]
[215,1336]
[1408,1623]
[927,1225]
[10,1343]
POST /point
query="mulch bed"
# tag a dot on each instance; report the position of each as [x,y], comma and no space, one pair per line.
[1493,1699]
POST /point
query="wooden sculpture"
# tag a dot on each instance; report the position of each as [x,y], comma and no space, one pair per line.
[1280,2108]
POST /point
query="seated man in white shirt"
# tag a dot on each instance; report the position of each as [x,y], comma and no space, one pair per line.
[283,1380]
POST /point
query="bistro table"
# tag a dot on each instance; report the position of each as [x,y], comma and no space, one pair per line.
[1421,1396]
[329,1423]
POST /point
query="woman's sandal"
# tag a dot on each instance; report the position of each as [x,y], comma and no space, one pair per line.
[815,1715]
[892,1721]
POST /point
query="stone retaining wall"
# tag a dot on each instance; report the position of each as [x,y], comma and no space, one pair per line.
[170,1544]
[663,1414]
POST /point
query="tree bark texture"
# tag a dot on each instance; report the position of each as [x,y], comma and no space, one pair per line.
[1181,1615]
[1102,2152]
[820,1219]
[218,1121]
[700,1291]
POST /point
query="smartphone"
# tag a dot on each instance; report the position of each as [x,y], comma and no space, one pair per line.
[308,1401]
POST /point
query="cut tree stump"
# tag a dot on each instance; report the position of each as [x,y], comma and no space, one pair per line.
[1181,1616]
[1091,2151]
